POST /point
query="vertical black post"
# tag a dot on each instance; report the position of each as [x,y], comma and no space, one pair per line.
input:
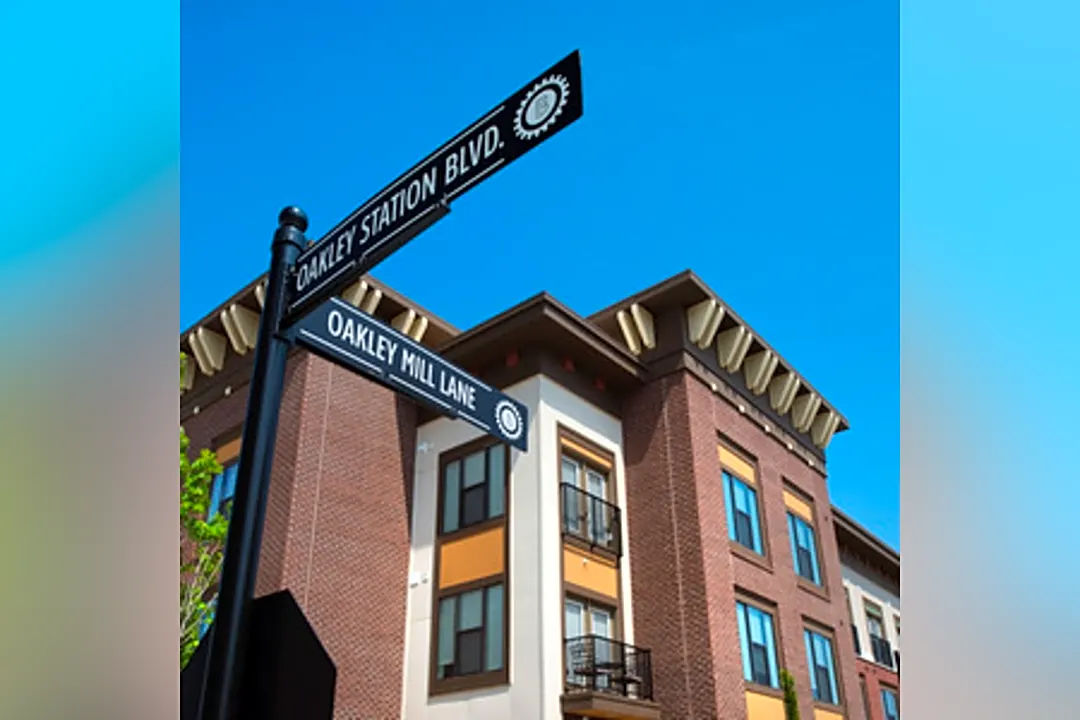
[228,640]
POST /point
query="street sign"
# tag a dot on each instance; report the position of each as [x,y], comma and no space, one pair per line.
[422,195]
[339,332]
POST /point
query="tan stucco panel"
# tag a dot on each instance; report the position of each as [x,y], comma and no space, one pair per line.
[472,558]
[590,573]
[763,707]
[739,466]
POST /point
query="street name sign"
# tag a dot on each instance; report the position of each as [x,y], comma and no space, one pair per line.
[342,334]
[421,196]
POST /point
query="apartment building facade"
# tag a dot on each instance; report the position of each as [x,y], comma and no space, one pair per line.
[871,577]
[664,549]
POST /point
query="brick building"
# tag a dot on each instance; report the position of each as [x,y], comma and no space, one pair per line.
[871,574]
[665,548]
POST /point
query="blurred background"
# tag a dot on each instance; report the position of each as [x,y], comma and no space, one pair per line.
[989,171]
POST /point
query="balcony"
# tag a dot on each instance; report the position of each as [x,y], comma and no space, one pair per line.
[608,678]
[883,654]
[591,520]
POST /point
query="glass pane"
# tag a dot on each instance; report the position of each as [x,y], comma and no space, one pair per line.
[597,484]
[496,480]
[756,629]
[744,642]
[571,511]
[472,610]
[473,510]
[827,660]
[742,497]
[570,472]
[601,623]
[729,505]
[470,650]
[230,480]
[744,531]
[445,652]
[815,571]
[755,525]
[493,655]
[824,686]
[792,532]
[574,619]
[810,663]
[215,497]
[474,469]
[451,497]
[759,661]
[770,644]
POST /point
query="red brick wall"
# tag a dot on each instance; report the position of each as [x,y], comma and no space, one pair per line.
[678,530]
[337,530]
[876,677]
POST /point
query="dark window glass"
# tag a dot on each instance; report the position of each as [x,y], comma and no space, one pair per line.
[744,529]
[470,652]
[759,660]
[474,507]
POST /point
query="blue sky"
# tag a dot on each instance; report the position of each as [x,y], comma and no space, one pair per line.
[756,144]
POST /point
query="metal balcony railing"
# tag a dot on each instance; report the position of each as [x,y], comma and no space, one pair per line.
[882,650]
[597,664]
[591,518]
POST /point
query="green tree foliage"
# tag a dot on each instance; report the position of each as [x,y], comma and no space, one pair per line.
[791,701]
[202,543]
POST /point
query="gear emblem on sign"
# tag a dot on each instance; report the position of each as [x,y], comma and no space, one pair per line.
[541,107]
[508,418]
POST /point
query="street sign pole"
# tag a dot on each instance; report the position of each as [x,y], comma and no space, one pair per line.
[225,663]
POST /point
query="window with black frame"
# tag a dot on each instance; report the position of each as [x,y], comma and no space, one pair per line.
[473,489]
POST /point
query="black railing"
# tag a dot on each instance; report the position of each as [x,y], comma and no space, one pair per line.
[591,518]
[597,664]
[882,650]
[855,634]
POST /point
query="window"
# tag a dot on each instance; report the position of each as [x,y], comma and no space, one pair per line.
[588,512]
[758,645]
[865,696]
[851,619]
[879,645]
[804,548]
[890,704]
[819,657]
[222,491]
[741,500]
[474,488]
[470,633]
[582,620]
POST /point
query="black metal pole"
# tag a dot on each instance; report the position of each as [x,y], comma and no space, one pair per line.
[228,640]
